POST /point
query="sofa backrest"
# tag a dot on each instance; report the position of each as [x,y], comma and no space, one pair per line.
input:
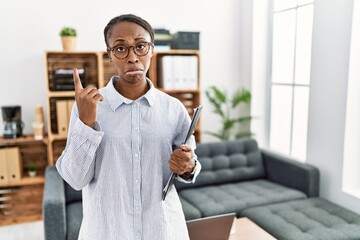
[226,162]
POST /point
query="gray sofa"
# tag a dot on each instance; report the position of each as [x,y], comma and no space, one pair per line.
[307,219]
[237,177]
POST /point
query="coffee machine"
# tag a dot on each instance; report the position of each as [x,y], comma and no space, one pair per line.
[13,126]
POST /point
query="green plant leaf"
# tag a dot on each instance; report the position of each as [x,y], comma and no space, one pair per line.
[68,31]
[218,94]
[228,124]
[243,119]
[32,166]
[241,96]
[215,102]
[223,107]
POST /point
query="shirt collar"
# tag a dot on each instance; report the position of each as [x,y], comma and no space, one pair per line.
[115,99]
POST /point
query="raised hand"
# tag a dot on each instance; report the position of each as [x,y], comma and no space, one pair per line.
[86,100]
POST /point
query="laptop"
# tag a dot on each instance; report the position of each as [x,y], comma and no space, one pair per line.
[211,228]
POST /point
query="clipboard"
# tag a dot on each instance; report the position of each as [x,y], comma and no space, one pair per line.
[191,130]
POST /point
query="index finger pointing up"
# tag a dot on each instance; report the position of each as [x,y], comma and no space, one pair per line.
[77,82]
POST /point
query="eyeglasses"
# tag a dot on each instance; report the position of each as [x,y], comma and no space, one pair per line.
[122,52]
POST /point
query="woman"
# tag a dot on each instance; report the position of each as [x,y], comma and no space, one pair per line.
[120,147]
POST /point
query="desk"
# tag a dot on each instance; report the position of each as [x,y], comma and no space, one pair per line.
[245,229]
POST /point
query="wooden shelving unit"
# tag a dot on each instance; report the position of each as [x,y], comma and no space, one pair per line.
[25,181]
[21,200]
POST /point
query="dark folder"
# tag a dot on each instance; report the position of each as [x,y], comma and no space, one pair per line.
[191,130]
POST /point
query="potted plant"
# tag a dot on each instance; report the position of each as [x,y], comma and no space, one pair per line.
[68,38]
[224,106]
[32,169]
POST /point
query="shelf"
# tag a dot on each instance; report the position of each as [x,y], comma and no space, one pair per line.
[69,52]
[5,142]
[55,137]
[24,182]
[59,71]
[61,93]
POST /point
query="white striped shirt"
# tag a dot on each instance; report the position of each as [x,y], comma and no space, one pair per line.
[122,166]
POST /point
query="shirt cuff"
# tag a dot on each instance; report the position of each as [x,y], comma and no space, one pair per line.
[196,172]
[86,133]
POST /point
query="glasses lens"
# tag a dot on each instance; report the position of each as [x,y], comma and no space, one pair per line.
[121,51]
[142,49]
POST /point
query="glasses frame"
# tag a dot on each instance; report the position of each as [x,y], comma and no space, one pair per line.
[128,48]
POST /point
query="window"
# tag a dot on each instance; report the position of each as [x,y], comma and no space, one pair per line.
[290,76]
[351,176]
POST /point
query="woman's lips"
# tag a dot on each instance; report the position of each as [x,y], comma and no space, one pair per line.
[134,71]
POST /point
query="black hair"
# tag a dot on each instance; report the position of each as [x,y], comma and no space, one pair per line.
[128,18]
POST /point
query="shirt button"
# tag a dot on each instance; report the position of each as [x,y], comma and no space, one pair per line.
[136,129]
[136,155]
[137,207]
[136,180]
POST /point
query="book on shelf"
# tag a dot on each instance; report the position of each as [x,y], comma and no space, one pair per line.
[162,39]
[178,72]
[63,80]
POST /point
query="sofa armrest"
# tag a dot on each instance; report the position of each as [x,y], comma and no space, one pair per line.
[54,212]
[290,173]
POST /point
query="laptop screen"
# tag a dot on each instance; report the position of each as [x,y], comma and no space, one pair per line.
[211,228]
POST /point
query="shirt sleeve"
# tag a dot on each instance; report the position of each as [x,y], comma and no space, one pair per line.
[77,162]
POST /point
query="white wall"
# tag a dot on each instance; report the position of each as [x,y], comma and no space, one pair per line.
[328,92]
[260,102]
[29,28]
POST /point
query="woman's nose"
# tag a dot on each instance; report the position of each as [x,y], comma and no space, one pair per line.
[132,58]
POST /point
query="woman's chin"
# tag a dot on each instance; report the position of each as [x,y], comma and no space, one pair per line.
[134,77]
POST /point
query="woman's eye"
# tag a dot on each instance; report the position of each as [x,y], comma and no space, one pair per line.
[120,49]
[140,46]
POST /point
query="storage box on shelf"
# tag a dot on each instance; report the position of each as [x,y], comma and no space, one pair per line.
[21,195]
[95,68]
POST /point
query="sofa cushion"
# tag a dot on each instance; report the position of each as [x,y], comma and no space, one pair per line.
[235,197]
[225,162]
[190,211]
[307,219]
[74,217]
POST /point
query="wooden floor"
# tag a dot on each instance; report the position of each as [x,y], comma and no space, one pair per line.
[24,231]
[245,229]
